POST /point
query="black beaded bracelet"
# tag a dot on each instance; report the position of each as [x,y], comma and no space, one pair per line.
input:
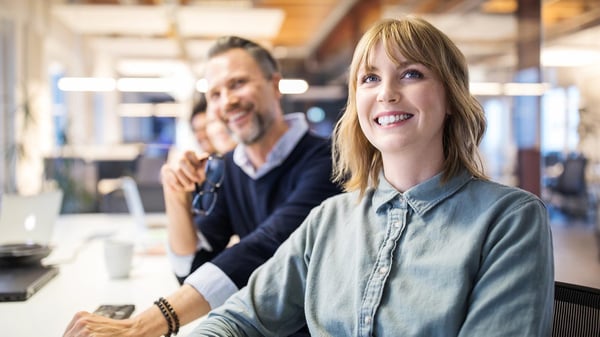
[173,314]
[165,313]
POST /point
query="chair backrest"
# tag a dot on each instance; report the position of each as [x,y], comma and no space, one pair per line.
[576,311]
[572,180]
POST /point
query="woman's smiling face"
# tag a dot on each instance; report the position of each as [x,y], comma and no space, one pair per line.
[401,105]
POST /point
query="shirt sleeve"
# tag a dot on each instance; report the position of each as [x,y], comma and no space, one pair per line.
[182,264]
[272,304]
[513,293]
[212,283]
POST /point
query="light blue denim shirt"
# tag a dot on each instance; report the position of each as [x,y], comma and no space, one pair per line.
[467,258]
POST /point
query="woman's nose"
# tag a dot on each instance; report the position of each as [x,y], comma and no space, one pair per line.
[388,92]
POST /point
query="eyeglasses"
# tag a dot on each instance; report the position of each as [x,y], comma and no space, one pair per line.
[206,194]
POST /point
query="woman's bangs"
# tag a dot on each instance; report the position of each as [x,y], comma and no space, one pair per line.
[400,42]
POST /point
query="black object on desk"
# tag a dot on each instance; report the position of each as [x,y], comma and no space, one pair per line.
[18,283]
[115,311]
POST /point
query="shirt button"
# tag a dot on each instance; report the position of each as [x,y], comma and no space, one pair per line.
[367,319]
[396,224]
[383,270]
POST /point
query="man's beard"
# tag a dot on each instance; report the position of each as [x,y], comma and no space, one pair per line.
[257,129]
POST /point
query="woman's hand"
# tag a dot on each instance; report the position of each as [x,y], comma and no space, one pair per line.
[87,324]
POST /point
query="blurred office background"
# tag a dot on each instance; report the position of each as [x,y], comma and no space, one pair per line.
[98,89]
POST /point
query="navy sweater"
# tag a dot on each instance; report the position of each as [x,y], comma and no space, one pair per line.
[264,212]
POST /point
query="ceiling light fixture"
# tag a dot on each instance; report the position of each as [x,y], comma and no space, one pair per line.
[525,89]
[94,84]
[507,89]
[568,57]
[154,84]
[293,86]
[485,88]
[286,86]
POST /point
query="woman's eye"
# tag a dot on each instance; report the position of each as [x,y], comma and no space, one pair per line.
[412,74]
[369,78]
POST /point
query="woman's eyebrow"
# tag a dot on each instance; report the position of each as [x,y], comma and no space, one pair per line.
[406,64]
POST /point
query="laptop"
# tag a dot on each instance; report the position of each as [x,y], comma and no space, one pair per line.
[26,220]
[20,283]
[30,218]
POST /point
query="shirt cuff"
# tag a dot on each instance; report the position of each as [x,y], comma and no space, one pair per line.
[212,283]
[181,264]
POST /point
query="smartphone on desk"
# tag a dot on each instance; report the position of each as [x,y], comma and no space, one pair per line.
[115,311]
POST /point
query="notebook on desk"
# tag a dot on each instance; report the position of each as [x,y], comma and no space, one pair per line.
[29,219]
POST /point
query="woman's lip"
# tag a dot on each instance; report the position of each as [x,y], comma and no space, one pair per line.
[390,113]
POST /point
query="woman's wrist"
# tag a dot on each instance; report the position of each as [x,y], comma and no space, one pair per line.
[148,324]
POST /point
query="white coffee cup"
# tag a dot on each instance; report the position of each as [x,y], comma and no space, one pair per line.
[118,257]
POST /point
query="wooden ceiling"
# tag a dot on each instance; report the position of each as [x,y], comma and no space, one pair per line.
[322,33]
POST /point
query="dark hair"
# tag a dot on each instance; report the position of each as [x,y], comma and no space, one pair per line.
[199,107]
[262,56]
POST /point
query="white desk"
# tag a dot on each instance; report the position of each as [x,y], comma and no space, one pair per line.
[82,282]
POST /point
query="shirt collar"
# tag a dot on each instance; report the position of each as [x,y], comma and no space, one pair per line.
[298,126]
[423,196]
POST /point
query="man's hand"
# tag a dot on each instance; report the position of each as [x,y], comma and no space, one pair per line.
[187,172]
[179,180]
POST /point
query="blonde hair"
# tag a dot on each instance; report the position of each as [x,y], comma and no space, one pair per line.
[356,162]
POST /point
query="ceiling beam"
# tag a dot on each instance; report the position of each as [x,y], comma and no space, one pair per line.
[332,56]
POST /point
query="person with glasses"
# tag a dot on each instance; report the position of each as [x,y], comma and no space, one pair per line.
[260,191]
[210,132]
[199,125]
[422,244]
[215,140]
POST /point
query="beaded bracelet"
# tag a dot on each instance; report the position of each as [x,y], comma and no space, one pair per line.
[165,313]
[173,314]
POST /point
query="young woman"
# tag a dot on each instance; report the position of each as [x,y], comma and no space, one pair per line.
[422,243]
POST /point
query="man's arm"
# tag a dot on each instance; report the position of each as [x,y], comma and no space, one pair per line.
[178,182]
[273,301]
[182,238]
[312,185]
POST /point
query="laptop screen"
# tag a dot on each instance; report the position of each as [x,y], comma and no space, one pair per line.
[30,218]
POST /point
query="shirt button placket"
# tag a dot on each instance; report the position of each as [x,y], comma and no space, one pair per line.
[377,282]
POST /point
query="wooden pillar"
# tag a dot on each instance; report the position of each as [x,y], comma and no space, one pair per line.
[526,112]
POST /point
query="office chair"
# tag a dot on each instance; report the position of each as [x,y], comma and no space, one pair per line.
[568,191]
[576,311]
[572,181]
